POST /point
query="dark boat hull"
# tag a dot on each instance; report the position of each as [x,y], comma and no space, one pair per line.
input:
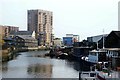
[85,65]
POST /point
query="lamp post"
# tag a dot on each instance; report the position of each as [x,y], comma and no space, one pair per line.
[97,45]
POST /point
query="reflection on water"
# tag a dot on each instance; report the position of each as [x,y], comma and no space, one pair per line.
[40,70]
[28,65]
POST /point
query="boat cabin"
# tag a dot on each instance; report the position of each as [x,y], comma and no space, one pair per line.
[96,56]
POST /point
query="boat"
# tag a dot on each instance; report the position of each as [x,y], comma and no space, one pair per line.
[79,52]
[105,74]
[96,56]
[62,56]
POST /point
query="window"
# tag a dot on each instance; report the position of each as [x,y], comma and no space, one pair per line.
[39,13]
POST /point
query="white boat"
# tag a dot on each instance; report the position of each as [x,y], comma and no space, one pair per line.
[105,74]
[96,56]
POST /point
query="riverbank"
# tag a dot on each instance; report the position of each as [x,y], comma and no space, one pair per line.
[8,54]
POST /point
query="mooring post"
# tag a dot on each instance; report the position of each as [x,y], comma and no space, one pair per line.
[80,75]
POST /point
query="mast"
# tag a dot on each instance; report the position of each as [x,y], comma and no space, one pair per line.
[97,45]
[103,39]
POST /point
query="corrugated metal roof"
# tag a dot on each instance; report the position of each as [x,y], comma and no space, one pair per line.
[27,37]
[117,33]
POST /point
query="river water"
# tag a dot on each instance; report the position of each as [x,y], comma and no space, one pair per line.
[31,65]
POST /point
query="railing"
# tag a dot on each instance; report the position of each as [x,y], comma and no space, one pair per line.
[89,75]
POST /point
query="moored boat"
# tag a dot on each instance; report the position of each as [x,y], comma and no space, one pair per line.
[105,74]
[96,56]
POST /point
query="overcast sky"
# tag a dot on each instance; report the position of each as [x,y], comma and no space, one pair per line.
[81,17]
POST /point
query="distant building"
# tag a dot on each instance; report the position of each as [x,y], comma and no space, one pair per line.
[8,43]
[119,16]
[23,33]
[21,42]
[27,36]
[57,42]
[30,42]
[5,30]
[68,41]
[69,35]
[75,38]
[14,42]
[41,21]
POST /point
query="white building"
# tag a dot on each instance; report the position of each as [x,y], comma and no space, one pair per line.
[57,42]
[41,21]
[119,16]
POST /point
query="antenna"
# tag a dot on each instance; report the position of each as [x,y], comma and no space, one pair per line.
[103,39]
